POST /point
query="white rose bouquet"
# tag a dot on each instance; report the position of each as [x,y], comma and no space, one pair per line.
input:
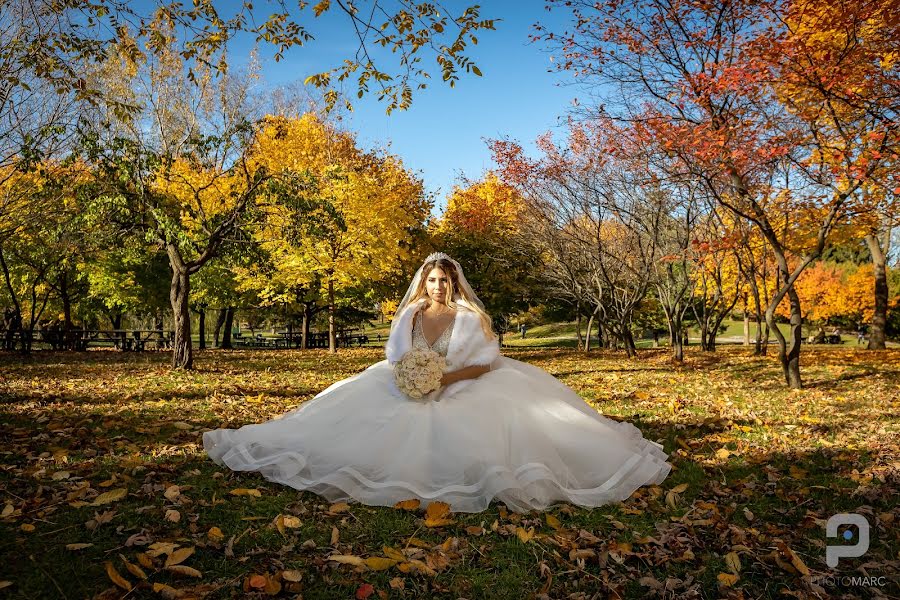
[419,372]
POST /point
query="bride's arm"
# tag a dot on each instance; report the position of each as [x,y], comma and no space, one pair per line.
[465,373]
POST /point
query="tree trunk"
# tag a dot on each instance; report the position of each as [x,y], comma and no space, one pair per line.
[332,333]
[675,327]
[182,354]
[68,342]
[746,322]
[226,331]
[578,339]
[789,349]
[590,326]
[704,330]
[304,335]
[201,326]
[628,342]
[220,321]
[879,318]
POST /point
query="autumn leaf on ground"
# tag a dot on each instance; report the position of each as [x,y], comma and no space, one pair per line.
[179,556]
[364,591]
[215,534]
[525,535]
[347,559]
[412,504]
[727,579]
[116,578]
[338,507]
[80,546]
[110,496]
[380,563]
[245,492]
[436,514]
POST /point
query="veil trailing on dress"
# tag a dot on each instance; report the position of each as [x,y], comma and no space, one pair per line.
[417,278]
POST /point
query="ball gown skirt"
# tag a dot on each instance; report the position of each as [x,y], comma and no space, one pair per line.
[515,434]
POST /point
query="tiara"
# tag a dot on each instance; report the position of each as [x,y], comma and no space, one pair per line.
[438,255]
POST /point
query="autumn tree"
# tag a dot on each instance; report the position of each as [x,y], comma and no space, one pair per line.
[333,213]
[837,68]
[481,227]
[55,40]
[695,79]
[179,172]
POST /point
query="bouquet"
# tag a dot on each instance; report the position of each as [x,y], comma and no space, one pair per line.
[419,372]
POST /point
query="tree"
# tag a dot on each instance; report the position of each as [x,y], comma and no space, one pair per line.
[834,69]
[333,213]
[54,40]
[695,79]
[481,228]
[180,173]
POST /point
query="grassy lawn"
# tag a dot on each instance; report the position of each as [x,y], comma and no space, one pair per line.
[103,480]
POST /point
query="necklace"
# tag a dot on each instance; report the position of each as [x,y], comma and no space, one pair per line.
[442,313]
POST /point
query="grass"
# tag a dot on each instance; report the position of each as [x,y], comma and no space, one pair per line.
[758,469]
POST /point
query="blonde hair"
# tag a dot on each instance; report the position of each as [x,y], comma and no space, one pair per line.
[455,291]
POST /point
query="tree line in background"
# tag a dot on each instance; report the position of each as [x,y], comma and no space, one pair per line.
[721,138]
[740,157]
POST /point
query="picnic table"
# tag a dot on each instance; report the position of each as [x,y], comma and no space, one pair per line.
[345,338]
[79,339]
[134,340]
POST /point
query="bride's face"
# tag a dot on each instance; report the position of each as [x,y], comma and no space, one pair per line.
[436,285]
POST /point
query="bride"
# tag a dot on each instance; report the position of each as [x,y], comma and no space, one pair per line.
[496,428]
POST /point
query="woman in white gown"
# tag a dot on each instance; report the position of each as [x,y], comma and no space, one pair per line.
[497,428]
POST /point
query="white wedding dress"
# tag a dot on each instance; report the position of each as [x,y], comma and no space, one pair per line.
[516,434]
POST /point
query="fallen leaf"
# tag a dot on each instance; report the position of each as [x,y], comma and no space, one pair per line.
[733,562]
[436,514]
[727,579]
[116,578]
[393,553]
[380,563]
[291,521]
[408,504]
[77,546]
[257,581]
[245,492]
[184,570]
[134,569]
[172,492]
[364,591]
[167,592]
[292,576]
[273,586]
[179,556]
[110,496]
[145,560]
[553,521]
[339,507]
[347,559]
[173,515]
[215,534]
[524,535]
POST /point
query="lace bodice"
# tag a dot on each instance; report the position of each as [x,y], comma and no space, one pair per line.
[441,345]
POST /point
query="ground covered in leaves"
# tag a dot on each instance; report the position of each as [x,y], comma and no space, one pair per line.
[105,490]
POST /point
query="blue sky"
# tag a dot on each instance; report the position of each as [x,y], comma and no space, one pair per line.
[442,134]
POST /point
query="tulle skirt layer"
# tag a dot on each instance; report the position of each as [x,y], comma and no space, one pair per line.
[515,434]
